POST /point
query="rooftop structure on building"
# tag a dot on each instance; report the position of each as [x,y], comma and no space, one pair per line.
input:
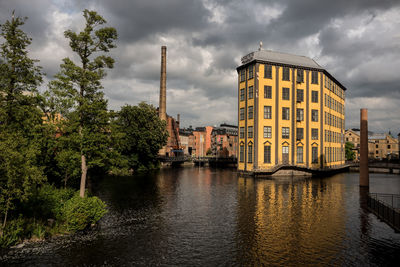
[285,59]
[226,129]
[377,136]
[186,131]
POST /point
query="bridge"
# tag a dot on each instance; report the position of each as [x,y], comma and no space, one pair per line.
[216,161]
[378,167]
[288,170]
[201,161]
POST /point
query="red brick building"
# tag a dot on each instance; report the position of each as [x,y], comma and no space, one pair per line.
[224,140]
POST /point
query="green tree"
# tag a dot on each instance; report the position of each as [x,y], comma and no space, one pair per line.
[142,135]
[350,155]
[77,90]
[20,118]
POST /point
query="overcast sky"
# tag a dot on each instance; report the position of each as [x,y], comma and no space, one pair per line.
[357,41]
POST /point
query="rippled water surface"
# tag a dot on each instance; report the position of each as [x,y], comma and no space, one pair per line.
[207,217]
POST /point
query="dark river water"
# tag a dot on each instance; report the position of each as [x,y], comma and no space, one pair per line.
[212,217]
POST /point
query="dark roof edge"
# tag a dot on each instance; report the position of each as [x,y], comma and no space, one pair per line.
[292,66]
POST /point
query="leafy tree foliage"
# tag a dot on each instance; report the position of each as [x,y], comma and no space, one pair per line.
[141,135]
[350,155]
[77,96]
[20,119]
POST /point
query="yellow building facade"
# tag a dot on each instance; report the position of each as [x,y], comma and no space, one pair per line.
[290,112]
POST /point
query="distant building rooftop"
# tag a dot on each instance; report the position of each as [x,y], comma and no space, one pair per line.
[228,125]
[378,136]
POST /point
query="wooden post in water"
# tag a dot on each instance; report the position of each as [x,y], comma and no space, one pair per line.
[364,171]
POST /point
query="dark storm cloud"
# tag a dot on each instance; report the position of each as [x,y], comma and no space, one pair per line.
[302,18]
[37,12]
[357,41]
[137,20]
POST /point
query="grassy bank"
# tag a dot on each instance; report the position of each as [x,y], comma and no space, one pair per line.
[51,211]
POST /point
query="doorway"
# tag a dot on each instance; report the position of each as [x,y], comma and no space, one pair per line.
[285,154]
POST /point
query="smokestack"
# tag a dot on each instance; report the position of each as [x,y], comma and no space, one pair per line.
[364,171]
[162,108]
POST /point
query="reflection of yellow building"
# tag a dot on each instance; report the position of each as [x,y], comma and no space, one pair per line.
[291,112]
[290,223]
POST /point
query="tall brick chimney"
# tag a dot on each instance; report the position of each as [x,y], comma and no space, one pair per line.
[162,108]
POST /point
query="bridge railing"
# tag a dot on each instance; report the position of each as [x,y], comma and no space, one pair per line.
[391,200]
[174,159]
[386,207]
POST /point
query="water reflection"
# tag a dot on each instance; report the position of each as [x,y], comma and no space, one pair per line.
[209,217]
[290,222]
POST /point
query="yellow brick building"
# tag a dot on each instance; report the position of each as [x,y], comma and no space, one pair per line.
[290,112]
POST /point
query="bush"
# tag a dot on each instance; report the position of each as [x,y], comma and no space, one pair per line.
[35,229]
[12,233]
[79,213]
[47,202]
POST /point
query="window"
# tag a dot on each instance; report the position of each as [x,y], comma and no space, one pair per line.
[241,154]
[285,74]
[241,94]
[299,154]
[250,154]
[314,154]
[267,71]
[285,150]
[251,92]
[285,113]
[377,146]
[314,96]
[285,93]
[267,131]
[251,72]
[314,77]
[267,91]
[267,112]
[314,134]
[241,132]
[285,132]
[250,132]
[300,95]
[267,154]
[300,114]
[250,112]
[314,115]
[241,114]
[388,146]
[242,75]
[299,133]
[300,76]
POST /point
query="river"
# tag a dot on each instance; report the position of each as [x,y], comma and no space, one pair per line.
[214,217]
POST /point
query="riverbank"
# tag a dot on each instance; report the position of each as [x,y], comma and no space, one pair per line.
[48,212]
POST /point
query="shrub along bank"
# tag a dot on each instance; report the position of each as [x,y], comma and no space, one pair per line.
[51,211]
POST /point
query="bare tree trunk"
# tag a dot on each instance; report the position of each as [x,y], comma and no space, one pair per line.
[5,215]
[83,176]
